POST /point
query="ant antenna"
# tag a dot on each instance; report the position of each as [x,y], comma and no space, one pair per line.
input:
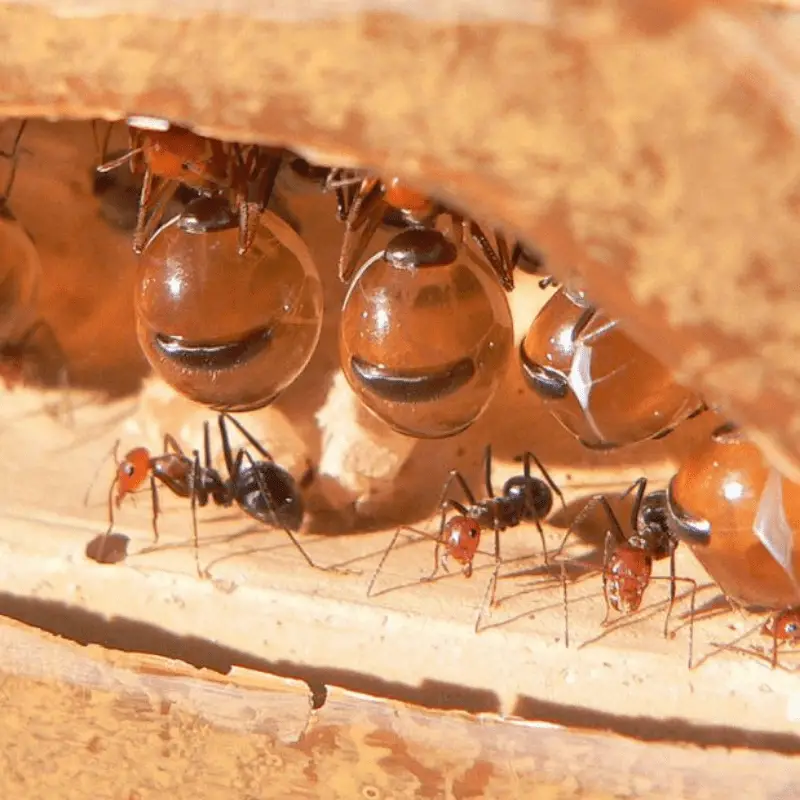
[13,156]
[112,452]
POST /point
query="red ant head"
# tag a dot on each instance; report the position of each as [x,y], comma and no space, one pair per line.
[785,626]
[132,472]
[462,536]
[398,195]
[168,152]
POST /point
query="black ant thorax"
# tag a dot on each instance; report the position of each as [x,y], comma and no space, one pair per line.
[269,492]
[653,530]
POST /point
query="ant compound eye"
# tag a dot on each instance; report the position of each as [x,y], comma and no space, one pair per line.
[474,532]
[129,470]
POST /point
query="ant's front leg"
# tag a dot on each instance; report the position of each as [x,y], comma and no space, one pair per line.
[156,505]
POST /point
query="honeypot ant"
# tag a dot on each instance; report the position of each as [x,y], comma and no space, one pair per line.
[580,362]
[524,498]
[168,156]
[628,559]
[376,200]
[739,516]
[261,488]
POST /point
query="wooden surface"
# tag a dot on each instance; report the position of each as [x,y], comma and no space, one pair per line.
[265,611]
[148,728]
[654,154]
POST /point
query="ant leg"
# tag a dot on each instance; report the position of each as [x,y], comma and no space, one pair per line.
[156,506]
[157,204]
[579,518]
[489,598]
[195,532]
[444,507]
[612,518]
[114,453]
[262,488]
[507,259]
[671,593]
[101,147]
[492,256]
[263,452]
[545,554]
[12,155]
[226,450]
[638,488]
[487,474]
[566,604]
[171,445]
[363,220]
[457,477]
[382,561]
[111,504]
[207,444]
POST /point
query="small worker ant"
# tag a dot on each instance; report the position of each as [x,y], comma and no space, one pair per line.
[168,156]
[262,489]
[524,498]
[365,202]
[628,559]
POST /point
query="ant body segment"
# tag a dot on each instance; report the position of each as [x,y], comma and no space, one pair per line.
[168,156]
[261,488]
[628,558]
[365,202]
[524,498]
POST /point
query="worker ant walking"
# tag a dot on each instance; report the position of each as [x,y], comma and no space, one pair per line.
[628,558]
[261,488]
[524,498]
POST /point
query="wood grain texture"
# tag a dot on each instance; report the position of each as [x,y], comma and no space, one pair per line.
[85,722]
[657,158]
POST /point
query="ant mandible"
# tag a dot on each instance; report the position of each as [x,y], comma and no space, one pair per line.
[524,498]
[168,156]
[628,559]
[262,489]
[364,202]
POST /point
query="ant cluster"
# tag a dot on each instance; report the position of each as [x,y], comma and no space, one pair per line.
[229,311]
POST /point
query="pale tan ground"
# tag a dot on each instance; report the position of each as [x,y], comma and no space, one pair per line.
[264,609]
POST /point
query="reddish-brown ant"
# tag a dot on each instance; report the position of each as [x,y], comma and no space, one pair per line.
[628,558]
[425,335]
[261,488]
[375,201]
[524,498]
[170,156]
